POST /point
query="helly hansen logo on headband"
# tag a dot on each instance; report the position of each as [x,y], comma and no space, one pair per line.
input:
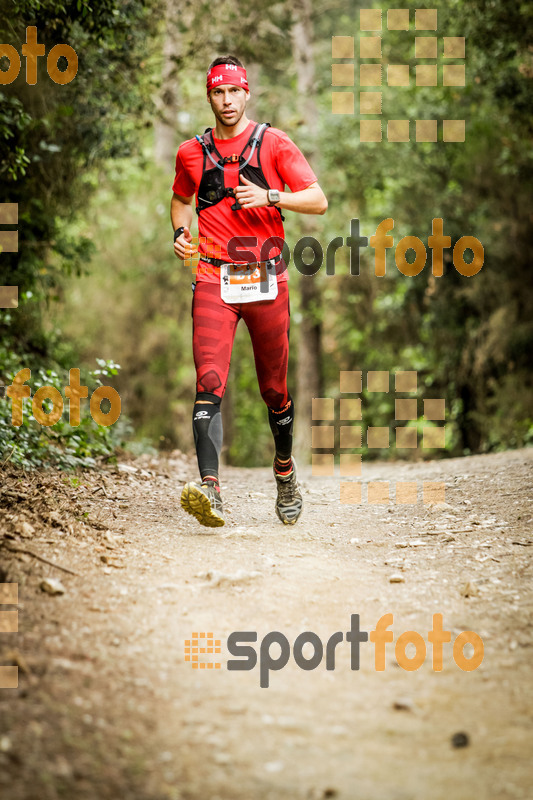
[227,73]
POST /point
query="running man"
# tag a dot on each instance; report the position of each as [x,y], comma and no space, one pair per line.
[238,171]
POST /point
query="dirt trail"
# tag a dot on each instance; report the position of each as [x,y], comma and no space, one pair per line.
[107,707]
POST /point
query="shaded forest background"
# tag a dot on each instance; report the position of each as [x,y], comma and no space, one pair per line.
[91,166]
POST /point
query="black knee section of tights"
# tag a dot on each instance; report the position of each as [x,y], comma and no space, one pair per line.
[212,398]
[207,430]
[281,424]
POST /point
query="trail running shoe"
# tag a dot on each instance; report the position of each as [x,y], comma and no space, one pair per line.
[289,501]
[203,502]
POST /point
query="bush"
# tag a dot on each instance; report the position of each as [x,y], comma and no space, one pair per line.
[33,445]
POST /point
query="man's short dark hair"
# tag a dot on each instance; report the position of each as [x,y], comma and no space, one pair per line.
[226,60]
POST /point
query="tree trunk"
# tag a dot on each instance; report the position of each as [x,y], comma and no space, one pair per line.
[309,369]
[167,133]
[253,71]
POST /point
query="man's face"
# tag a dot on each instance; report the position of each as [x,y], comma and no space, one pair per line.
[228,103]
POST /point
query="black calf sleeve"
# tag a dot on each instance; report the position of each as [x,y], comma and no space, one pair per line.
[207,430]
[281,424]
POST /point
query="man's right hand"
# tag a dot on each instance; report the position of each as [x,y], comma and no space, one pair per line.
[182,246]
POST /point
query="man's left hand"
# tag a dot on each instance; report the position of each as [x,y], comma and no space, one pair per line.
[250,195]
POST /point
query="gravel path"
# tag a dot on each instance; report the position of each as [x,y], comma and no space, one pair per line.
[107,707]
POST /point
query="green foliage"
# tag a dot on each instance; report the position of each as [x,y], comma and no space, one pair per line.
[33,445]
[53,141]
[135,305]
[51,135]
[470,338]
[96,272]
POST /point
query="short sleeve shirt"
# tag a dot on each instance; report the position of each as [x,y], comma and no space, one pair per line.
[283,164]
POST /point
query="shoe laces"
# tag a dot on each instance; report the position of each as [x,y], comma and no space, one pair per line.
[287,487]
[214,497]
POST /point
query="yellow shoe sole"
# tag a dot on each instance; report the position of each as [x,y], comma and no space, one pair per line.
[288,521]
[195,502]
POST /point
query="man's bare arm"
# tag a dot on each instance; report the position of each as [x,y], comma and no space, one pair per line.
[307,201]
[181,217]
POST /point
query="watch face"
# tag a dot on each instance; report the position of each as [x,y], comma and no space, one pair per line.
[273,196]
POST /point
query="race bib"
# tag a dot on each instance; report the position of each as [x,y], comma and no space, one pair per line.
[243,283]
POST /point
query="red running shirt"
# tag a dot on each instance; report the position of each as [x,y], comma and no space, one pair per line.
[282,163]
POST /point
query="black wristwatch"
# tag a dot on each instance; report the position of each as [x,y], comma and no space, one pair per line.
[178,232]
[273,196]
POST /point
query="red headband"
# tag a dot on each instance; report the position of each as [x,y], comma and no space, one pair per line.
[226,73]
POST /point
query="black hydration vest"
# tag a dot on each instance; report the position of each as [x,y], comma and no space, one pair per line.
[212,188]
